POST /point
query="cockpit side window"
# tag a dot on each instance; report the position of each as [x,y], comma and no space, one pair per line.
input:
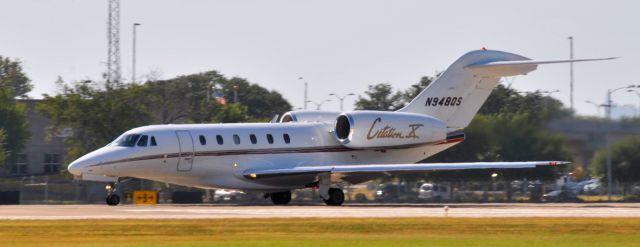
[153,141]
[143,141]
[128,140]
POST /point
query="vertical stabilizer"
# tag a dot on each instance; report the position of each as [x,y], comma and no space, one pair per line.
[457,95]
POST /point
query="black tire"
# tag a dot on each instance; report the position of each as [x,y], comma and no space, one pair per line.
[281,198]
[113,200]
[336,197]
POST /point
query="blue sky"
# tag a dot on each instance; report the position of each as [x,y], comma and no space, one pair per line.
[337,46]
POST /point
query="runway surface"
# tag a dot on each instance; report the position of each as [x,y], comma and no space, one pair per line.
[71,212]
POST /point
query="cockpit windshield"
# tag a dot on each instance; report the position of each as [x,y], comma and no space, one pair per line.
[128,140]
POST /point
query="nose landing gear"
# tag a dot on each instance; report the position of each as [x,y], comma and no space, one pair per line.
[112,199]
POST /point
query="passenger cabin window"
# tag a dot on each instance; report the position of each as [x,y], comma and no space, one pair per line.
[143,141]
[128,140]
[153,141]
[286,138]
[219,139]
[253,139]
[270,138]
[236,139]
[203,141]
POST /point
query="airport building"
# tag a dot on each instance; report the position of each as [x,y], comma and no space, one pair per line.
[44,152]
[586,136]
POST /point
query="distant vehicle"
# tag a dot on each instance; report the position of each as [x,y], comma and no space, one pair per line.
[393,193]
[315,149]
[592,188]
[433,192]
[635,190]
[228,195]
[566,183]
[561,196]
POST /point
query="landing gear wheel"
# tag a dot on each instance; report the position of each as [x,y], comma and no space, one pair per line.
[281,198]
[336,197]
[113,200]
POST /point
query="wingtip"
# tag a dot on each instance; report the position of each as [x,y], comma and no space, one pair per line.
[556,163]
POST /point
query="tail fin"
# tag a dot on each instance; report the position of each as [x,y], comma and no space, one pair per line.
[457,95]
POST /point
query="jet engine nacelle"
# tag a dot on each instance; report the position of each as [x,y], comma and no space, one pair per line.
[309,116]
[378,129]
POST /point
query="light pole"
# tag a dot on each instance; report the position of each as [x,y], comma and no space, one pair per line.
[341,98]
[608,106]
[235,93]
[133,64]
[571,72]
[318,105]
[305,92]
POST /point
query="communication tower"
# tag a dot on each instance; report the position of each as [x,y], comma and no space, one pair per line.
[113,36]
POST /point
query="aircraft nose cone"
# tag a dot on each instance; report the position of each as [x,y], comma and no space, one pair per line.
[75,168]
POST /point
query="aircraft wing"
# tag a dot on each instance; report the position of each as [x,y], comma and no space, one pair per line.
[382,168]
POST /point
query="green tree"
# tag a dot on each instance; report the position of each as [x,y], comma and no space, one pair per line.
[231,113]
[380,97]
[11,76]
[261,103]
[96,116]
[191,98]
[505,100]
[99,112]
[3,152]
[13,120]
[625,160]
[415,89]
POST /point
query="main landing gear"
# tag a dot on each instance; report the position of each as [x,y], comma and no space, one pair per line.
[280,198]
[336,197]
[330,196]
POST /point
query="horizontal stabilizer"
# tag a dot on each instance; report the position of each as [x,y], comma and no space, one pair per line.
[519,67]
[302,170]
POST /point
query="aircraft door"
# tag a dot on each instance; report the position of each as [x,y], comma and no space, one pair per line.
[186,155]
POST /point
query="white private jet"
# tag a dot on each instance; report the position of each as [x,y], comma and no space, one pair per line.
[314,148]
